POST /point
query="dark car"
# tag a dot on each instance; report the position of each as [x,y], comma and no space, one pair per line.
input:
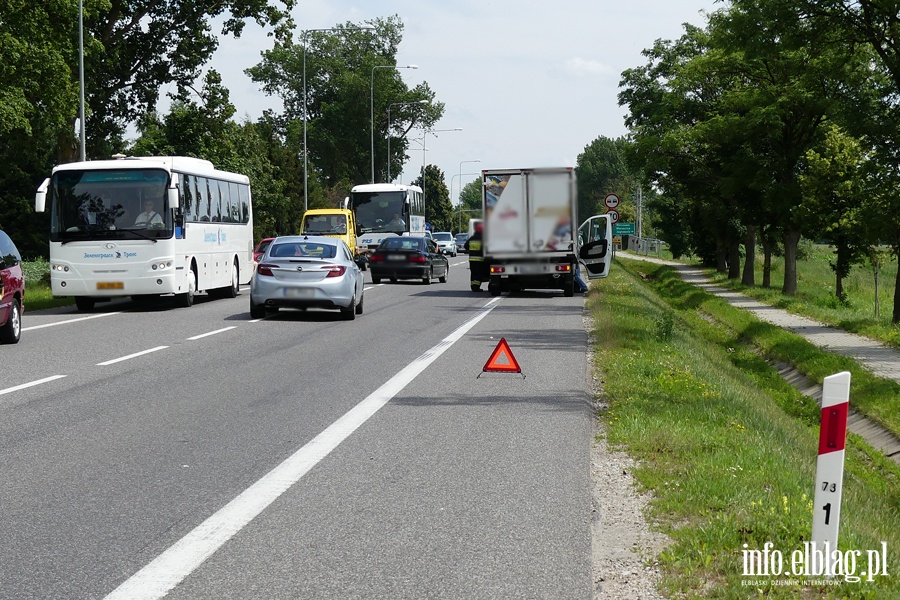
[12,291]
[461,239]
[407,257]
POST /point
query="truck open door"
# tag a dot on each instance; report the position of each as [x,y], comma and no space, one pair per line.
[595,246]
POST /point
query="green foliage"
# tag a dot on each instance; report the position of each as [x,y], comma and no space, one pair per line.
[438,210]
[601,169]
[351,81]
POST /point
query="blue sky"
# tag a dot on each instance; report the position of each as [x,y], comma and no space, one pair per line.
[530,83]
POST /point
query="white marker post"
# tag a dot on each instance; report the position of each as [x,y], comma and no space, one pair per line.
[830,464]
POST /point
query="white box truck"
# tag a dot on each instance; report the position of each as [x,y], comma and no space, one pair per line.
[529,220]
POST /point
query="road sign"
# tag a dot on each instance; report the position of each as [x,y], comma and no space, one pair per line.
[613,215]
[830,464]
[623,229]
[611,200]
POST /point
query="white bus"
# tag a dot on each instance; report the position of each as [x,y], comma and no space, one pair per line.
[386,209]
[144,227]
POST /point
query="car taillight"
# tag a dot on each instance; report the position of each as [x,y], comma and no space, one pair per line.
[417,258]
[334,270]
[375,258]
[265,269]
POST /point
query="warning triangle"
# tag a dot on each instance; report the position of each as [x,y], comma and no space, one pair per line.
[502,359]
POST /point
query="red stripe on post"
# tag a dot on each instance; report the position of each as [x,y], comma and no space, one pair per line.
[833,429]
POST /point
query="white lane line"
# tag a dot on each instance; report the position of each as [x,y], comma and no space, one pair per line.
[136,354]
[30,384]
[71,321]
[172,566]
[203,335]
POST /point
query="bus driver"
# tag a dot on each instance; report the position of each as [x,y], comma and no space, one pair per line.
[149,217]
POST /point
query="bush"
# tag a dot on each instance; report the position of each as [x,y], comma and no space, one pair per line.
[36,271]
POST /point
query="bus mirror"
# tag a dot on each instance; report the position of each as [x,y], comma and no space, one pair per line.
[173,197]
[40,198]
[346,202]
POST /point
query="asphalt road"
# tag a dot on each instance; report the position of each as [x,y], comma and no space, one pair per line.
[201,454]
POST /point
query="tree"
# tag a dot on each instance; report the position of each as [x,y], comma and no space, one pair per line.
[438,210]
[134,47]
[348,86]
[833,185]
[601,169]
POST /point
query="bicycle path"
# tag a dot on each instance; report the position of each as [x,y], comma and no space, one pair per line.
[883,361]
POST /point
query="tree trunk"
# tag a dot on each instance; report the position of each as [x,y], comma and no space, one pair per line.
[791,241]
[895,318]
[734,260]
[748,277]
[768,247]
[721,257]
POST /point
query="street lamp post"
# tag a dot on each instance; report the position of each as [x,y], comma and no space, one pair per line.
[305,106]
[459,192]
[389,132]
[81,80]
[372,108]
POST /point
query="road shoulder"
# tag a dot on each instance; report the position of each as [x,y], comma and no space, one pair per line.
[623,545]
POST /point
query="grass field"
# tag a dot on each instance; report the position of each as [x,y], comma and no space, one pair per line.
[725,446]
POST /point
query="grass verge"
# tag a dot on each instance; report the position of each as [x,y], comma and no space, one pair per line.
[38,295]
[727,447]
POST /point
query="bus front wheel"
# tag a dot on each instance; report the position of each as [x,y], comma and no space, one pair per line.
[84,303]
[186,300]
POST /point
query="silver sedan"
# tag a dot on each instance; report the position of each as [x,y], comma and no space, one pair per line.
[307,272]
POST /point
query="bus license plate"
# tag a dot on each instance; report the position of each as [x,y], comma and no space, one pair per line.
[110,285]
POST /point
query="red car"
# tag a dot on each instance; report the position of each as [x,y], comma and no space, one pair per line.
[12,291]
[261,248]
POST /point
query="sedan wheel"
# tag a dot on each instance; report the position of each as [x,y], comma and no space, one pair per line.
[443,278]
[349,313]
[12,331]
[428,276]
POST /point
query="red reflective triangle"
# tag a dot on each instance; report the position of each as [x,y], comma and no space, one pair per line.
[502,359]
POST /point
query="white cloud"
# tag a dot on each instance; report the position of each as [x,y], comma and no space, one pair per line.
[582,66]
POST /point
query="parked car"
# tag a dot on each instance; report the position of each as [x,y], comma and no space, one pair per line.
[12,291]
[461,239]
[408,257]
[261,248]
[446,242]
[307,272]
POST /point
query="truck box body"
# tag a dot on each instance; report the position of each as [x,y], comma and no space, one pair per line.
[529,218]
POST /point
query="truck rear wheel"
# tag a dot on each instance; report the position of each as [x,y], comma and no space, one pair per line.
[569,287]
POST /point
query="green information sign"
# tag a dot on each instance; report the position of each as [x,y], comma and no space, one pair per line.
[623,228]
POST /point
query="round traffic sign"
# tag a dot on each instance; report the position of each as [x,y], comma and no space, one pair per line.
[613,215]
[611,200]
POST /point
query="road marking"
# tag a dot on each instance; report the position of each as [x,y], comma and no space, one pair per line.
[136,354]
[203,335]
[71,321]
[172,566]
[28,385]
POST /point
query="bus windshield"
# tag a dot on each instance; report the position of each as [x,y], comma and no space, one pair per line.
[381,211]
[122,203]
